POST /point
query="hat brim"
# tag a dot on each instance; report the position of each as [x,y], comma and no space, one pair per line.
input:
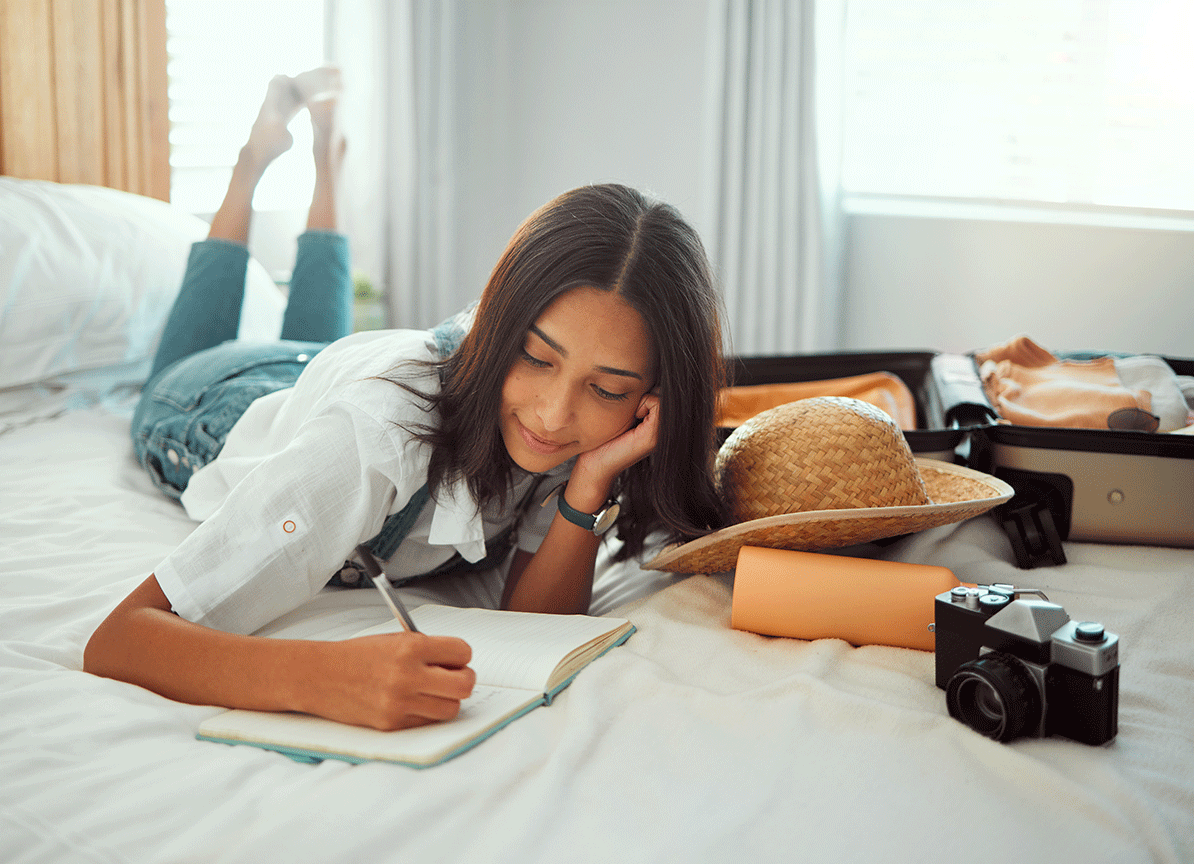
[957,493]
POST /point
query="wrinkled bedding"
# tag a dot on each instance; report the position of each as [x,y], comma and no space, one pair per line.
[692,742]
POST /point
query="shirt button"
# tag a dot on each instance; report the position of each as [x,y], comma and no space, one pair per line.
[302,358]
[172,456]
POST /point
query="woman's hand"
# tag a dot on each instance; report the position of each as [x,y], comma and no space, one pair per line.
[603,464]
[394,681]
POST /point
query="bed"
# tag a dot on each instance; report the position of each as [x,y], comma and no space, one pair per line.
[691,742]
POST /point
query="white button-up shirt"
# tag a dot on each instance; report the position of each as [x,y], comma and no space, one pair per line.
[309,472]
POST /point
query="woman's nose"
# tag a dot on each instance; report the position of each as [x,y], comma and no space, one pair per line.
[555,407]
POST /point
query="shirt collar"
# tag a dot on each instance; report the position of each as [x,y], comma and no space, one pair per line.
[457,521]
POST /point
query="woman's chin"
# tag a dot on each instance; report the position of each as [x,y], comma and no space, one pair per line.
[534,463]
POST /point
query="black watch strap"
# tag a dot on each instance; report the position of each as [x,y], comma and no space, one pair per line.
[598,522]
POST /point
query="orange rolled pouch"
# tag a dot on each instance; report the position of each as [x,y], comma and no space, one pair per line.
[810,595]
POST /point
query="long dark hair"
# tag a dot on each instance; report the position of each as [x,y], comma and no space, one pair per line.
[612,238]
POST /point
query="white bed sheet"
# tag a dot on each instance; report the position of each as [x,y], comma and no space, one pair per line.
[692,742]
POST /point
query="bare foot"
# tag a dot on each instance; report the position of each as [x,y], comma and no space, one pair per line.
[269,138]
[321,88]
[319,84]
[328,142]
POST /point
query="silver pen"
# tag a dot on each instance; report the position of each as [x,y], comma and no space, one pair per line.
[387,590]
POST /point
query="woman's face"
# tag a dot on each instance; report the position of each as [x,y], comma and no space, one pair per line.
[585,366]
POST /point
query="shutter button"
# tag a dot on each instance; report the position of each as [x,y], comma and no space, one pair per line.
[1089,631]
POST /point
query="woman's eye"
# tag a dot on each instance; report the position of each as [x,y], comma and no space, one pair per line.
[611,397]
[534,361]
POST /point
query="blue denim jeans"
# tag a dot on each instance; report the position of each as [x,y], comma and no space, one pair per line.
[203,379]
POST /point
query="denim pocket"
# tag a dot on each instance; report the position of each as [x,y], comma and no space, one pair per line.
[187,411]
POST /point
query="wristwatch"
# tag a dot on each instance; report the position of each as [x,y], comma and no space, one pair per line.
[598,522]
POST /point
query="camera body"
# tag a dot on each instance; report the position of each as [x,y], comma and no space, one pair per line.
[1014,667]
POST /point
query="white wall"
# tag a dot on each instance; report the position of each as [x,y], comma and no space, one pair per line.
[961,284]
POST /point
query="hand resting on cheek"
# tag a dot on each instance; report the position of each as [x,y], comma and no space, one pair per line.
[628,447]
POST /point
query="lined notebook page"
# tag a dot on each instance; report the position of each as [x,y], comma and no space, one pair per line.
[510,649]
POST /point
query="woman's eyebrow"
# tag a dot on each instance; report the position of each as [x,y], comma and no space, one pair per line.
[563,352]
[552,343]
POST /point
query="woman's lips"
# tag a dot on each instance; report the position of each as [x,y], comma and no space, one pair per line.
[534,442]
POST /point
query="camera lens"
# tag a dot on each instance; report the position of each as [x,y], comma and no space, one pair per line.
[995,696]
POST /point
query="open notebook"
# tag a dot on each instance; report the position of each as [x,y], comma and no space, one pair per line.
[522,660]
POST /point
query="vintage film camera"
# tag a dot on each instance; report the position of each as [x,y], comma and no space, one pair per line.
[1011,667]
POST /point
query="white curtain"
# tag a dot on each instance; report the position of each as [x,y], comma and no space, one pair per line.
[398,112]
[773,171]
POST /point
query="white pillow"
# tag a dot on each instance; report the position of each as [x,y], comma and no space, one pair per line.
[87,277]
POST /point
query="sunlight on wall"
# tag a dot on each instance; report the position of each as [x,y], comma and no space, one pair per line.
[1069,101]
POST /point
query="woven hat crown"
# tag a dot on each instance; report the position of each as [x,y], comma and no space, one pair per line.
[825,453]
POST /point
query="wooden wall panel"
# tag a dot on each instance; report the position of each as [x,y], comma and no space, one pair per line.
[28,123]
[116,163]
[83,93]
[78,91]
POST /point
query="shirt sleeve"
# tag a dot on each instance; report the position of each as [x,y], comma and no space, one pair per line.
[289,524]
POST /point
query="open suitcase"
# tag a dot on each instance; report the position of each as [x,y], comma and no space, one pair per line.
[935,437]
[1096,485]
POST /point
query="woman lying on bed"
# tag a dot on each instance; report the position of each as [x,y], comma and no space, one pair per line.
[595,345]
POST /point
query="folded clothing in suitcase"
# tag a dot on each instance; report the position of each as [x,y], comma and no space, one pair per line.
[1090,484]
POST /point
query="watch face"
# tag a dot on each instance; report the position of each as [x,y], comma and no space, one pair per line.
[606,518]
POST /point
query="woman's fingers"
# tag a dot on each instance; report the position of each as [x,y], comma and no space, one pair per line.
[448,683]
[448,651]
[400,679]
[647,404]
[430,709]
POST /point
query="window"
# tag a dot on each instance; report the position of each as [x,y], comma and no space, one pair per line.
[1067,101]
[222,54]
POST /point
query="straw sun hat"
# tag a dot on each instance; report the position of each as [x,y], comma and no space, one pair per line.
[824,473]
